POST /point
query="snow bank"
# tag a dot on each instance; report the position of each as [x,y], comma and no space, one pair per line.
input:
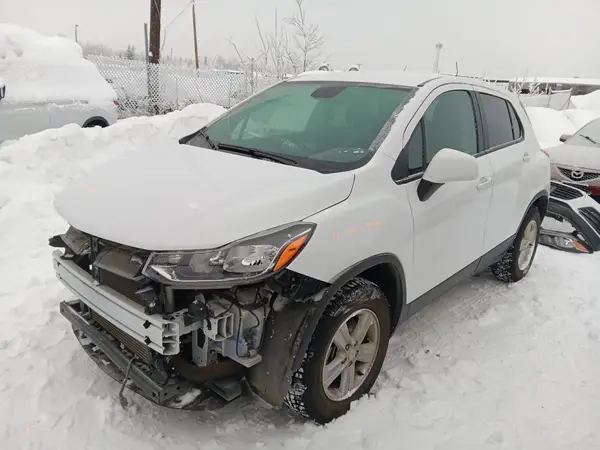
[40,68]
[580,117]
[589,101]
[46,161]
[549,125]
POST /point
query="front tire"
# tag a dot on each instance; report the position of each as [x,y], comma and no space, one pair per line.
[345,354]
[516,262]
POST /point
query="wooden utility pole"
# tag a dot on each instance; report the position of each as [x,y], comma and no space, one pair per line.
[154,56]
[146,55]
[195,35]
[155,12]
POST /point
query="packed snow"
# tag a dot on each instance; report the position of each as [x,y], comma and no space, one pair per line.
[589,101]
[487,366]
[38,68]
[550,124]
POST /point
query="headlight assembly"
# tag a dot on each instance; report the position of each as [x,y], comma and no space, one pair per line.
[241,262]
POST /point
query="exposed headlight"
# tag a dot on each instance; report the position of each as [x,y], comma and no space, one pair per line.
[241,262]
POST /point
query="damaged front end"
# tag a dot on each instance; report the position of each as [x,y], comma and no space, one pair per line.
[180,344]
[572,221]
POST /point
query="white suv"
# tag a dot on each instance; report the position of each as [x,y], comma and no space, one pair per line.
[282,244]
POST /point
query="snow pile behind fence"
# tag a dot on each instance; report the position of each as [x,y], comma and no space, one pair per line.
[147,89]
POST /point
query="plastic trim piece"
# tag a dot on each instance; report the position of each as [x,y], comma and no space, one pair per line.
[159,334]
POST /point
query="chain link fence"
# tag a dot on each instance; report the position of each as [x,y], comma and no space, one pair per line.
[148,89]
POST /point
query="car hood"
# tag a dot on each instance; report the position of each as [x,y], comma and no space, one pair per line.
[577,156]
[178,197]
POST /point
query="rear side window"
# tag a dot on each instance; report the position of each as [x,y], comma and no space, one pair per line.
[501,120]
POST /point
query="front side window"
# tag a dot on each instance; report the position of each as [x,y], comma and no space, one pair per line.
[588,135]
[449,122]
[325,126]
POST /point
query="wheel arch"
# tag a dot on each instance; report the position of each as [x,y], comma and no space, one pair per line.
[540,201]
[95,121]
[383,269]
[290,330]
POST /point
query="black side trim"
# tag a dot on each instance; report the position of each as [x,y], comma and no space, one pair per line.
[495,254]
[491,257]
[430,296]
[425,189]
[397,304]
[539,195]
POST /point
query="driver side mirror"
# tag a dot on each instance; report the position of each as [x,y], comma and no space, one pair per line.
[2,90]
[447,166]
[565,137]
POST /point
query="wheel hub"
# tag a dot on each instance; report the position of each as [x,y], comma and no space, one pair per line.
[527,247]
[351,354]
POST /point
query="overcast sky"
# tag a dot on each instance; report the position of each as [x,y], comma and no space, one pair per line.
[496,37]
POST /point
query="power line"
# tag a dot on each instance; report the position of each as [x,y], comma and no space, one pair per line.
[179,14]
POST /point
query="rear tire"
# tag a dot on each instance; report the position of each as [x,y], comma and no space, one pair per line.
[516,262]
[352,339]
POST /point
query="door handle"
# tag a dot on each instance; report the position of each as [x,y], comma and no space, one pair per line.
[484,183]
[526,157]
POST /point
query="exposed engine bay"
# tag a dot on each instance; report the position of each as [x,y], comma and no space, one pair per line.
[178,339]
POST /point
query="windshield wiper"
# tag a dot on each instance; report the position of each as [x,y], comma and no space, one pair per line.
[256,153]
[589,139]
[202,134]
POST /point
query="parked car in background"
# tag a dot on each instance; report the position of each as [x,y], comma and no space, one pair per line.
[286,240]
[577,160]
[48,84]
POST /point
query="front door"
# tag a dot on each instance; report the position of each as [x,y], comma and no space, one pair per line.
[449,227]
[18,119]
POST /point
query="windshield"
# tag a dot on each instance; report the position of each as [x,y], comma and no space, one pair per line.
[588,135]
[324,126]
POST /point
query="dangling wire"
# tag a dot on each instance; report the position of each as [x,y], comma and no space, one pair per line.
[122,399]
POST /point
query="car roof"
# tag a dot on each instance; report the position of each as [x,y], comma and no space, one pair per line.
[397,78]
[391,77]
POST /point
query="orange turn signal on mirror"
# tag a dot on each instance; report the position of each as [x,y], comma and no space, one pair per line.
[290,251]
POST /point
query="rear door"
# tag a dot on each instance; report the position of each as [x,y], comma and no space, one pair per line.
[506,151]
[449,227]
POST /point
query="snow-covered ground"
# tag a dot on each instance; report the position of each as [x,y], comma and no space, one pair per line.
[488,366]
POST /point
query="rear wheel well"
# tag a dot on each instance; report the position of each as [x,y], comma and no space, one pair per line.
[95,122]
[386,276]
[542,205]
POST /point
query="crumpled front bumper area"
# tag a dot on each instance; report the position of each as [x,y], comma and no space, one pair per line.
[98,304]
[175,392]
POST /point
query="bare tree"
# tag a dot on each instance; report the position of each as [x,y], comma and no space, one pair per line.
[308,38]
[292,46]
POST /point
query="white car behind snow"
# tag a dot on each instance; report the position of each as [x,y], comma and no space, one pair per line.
[48,84]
